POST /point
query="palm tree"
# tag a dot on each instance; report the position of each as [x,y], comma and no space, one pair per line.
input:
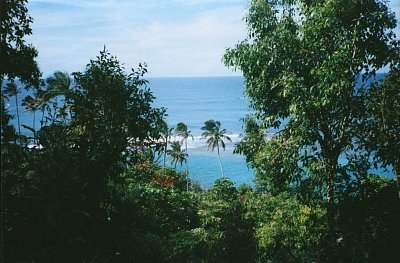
[215,137]
[31,105]
[60,84]
[12,90]
[182,131]
[176,154]
[165,135]
[42,102]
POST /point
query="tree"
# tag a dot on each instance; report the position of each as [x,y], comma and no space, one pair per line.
[17,61]
[12,90]
[31,104]
[304,63]
[286,230]
[114,108]
[382,124]
[181,130]
[43,104]
[8,133]
[63,202]
[60,84]
[224,233]
[166,133]
[215,137]
[228,233]
[111,109]
[17,58]
[177,155]
[368,217]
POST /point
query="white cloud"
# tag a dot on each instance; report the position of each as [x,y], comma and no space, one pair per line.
[175,37]
[193,48]
[172,43]
[198,2]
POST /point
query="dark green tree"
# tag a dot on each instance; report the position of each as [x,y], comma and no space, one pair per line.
[57,199]
[166,133]
[60,85]
[176,154]
[7,130]
[17,58]
[12,90]
[111,109]
[32,105]
[286,230]
[381,126]
[215,137]
[43,104]
[224,233]
[368,221]
[305,63]
[182,131]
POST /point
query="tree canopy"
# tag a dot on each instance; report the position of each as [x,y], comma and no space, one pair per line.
[215,137]
[306,64]
[16,56]
[89,186]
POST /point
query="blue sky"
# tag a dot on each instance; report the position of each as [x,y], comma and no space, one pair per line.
[174,37]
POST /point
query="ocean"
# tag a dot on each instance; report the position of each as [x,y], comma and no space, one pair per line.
[193,100]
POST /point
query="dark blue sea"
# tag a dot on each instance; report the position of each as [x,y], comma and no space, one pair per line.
[193,101]
[198,99]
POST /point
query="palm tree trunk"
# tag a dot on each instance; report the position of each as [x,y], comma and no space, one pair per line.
[42,119]
[165,153]
[34,130]
[19,125]
[69,105]
[219,161]
[397,175]
[187,168]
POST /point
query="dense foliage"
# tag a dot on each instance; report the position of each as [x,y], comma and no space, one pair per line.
[88,186]
[17,57]
[310,72]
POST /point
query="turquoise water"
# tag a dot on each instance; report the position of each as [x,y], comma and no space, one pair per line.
[196,100]
[193,101]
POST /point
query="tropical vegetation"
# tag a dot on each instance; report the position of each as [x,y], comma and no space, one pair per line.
[182,131]
[89,186]
[215,137]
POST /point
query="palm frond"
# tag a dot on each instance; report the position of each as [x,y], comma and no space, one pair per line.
[214,135]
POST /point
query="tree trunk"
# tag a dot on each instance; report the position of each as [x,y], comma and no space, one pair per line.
[34,131]
[330,156]
[397,175]
[68,105]
[219,161]
[165,153]
[42,119]
[19,125]
[187,168]
[331,173]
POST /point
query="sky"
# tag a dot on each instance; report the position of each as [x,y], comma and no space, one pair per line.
[173,37]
